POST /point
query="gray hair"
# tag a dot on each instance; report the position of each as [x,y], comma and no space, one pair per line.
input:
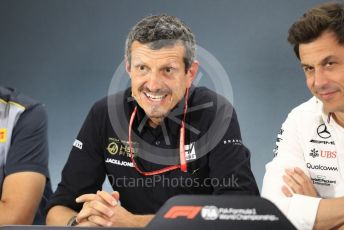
[162,31]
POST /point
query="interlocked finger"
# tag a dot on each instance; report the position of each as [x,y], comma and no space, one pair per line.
[95,208]
[99,220]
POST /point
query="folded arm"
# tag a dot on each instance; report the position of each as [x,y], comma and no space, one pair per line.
[330,213]
[21,195]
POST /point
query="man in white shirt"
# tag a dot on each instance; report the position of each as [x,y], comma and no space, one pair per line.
[305,179]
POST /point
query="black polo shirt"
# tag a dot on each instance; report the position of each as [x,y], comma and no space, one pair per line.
[217,160]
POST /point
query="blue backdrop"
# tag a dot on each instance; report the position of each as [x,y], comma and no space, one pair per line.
[64,53]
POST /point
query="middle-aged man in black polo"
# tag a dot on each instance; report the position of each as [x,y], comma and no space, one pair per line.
[305,179]
[157,125]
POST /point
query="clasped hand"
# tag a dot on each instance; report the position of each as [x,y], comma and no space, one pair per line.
[103,209]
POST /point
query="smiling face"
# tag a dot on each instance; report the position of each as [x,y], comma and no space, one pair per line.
[158,78]
[323,63]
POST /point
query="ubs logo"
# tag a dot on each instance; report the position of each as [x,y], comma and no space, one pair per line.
[323,132]
[323,153]
[314,153]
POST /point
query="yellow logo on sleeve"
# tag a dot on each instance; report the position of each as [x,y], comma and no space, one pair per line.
[3,135]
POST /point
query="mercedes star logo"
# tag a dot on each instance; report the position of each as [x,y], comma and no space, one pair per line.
[322,131]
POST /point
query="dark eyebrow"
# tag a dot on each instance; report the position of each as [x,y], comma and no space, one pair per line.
[322,62]
[326,60]
[169,65]
[305,65]
[140,64]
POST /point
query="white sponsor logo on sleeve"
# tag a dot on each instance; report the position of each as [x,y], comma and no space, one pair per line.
[77,144]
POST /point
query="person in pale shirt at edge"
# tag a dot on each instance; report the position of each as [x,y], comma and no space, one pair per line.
[24,175]
[305,178]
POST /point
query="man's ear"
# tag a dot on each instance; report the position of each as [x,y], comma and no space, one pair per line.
[192,73]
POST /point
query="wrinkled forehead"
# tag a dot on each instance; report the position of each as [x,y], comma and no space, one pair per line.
[163,43]
[144,53]
[324,46]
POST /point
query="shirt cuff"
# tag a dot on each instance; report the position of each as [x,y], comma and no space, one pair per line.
[303,210]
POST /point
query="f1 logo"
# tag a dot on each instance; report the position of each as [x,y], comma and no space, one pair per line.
[189,212]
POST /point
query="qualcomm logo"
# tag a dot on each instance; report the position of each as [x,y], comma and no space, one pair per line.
[210,213]
[322,167]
